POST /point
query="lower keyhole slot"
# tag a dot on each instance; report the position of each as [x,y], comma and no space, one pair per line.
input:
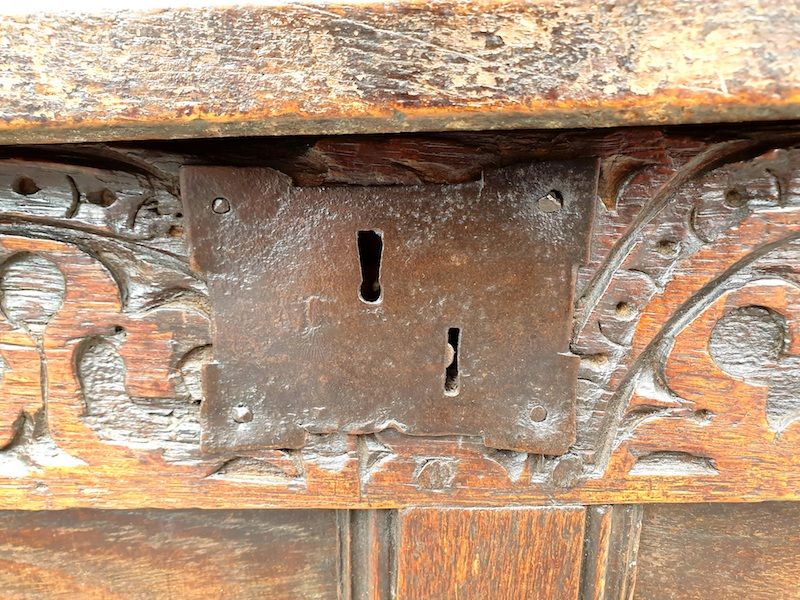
[451,378]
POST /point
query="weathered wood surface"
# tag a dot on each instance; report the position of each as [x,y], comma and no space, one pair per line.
[686,324]
[490,553]
[305,68]
[695,552]
[192,554]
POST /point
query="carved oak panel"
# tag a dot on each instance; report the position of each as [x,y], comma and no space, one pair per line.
[685,322]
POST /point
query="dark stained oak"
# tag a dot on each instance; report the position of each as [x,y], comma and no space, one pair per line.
[302,68]
[684,552]
[490,553]
[723,551]
[187,554]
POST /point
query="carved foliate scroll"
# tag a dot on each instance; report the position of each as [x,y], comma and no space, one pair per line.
[685,324]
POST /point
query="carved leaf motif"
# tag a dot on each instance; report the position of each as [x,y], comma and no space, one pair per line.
[60,305]
[750,343]
[31,293]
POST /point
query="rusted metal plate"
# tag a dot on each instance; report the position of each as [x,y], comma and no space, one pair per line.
[435,310]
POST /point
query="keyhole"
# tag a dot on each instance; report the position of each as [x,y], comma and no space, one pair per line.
[370,250]
[451,371]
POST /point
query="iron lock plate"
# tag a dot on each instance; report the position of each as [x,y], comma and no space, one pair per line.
[435,309]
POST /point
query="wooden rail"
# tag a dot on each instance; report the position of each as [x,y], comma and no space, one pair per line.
[311,68]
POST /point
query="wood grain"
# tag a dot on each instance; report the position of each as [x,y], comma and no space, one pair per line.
[370,538]
[168,554]
[490,553]
[300,68]
[611,545]
[726,551]
[685,551]
[686,326]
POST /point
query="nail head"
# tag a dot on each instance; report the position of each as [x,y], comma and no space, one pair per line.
[242,414]
[538,414]
[220,205]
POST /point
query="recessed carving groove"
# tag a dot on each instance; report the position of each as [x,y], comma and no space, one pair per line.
[669,464]
[31,290]
[116,417]
[750,343]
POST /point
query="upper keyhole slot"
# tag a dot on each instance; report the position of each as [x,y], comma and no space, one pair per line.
[370,252]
